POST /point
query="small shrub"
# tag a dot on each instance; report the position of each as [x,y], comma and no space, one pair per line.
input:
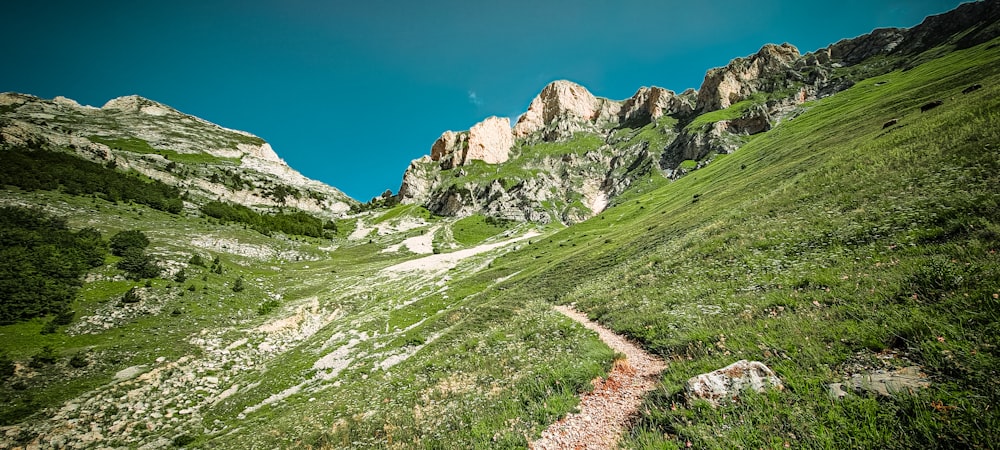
[268,306]
[46,357]
[125,240]
[183,440]
[180,276]
[7,366]
[238,285]
[79,361]
[138,265]
[132,296]
[197,260]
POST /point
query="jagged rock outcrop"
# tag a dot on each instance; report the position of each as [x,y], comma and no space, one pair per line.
[650,103]
[489,141]
[776,80]
[568,106]
[207,161]
[742,77]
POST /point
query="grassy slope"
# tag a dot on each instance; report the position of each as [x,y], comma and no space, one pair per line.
[818,245]
[803,250]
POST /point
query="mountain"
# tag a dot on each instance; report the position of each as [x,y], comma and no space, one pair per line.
[205,161]
[849,246]
[571,154]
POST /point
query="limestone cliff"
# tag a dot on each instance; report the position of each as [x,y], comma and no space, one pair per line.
[656,128]
[207,161]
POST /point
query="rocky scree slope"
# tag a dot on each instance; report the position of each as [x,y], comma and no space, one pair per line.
[202,159]
[572,153]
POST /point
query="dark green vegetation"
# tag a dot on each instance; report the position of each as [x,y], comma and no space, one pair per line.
[825,247]
[42,169]
[298,223]
[41,264]
[136,145]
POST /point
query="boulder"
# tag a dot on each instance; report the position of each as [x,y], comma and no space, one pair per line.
[730,381]
[882,382]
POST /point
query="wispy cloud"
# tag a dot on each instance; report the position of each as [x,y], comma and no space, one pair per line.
[474,99]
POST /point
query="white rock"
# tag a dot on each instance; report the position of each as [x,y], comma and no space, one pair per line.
[728,382]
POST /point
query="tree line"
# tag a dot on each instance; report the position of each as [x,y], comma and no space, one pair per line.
[298,223]
[47,170]
[42,263]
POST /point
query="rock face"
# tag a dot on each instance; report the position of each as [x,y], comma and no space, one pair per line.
[205,160]
[569,104]
[743,77]
[773,83]
[650,103]
[730,381]
[489,141]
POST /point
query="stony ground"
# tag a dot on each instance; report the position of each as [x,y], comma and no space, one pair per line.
[605,412]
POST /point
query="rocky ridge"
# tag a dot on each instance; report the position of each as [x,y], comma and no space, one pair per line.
[746,97]
[205,160]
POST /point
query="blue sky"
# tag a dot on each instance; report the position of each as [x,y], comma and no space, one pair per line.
[349,92]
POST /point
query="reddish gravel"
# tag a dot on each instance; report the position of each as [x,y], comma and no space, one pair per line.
[605,412]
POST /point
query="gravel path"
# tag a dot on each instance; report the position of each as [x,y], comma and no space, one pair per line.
[605,412]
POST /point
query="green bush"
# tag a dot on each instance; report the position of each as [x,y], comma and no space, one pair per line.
[46,357]
[268,306]
[79,361]
[197,260]
[7,366]
[132,296]
[238,285]
[138,265]
[124,240]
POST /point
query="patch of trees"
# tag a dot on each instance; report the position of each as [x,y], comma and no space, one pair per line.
[384,201]
[42,262]
[131,246]
[46,170]
[298,223]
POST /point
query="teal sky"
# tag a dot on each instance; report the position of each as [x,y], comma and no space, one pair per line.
[349,92]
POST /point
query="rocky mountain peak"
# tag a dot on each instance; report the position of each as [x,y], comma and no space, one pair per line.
[742,77]
[135,103]
[650,103]
[564,101]
[489,141]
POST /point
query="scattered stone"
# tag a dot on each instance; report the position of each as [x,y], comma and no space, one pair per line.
[890,123]
[882,382]
[129,372]
[973,88]
[728,382]
[931,105]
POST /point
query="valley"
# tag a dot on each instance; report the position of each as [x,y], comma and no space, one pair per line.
[817,217]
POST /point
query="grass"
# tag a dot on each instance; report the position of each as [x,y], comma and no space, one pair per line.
[815,248]
[476,228]
[136,145]
[734,111]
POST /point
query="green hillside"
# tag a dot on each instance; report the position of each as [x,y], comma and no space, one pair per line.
[826,247]
[825,244]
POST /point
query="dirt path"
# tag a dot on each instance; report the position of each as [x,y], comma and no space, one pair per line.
[444,261]
[605,411]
